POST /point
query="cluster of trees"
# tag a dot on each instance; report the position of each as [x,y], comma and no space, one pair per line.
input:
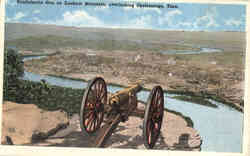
[42,94]
[13,69]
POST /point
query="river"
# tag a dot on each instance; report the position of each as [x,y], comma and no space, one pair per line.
[201,51]
[221,128]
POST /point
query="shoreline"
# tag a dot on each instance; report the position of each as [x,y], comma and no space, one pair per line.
[187,93]
[32,54]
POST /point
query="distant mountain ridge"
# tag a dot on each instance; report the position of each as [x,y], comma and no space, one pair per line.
[133,38]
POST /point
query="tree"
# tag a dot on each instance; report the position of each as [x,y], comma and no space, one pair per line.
[13,69]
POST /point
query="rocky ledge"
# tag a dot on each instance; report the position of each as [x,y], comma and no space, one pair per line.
[22,122]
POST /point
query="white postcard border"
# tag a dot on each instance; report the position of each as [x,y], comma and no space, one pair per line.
[27,150]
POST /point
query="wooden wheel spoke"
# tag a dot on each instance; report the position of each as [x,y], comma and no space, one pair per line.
[149,132]
[98,119]
[88,114]
[99,116]
[102,95]
[94,92]
[95,122]
[92,122]
[97,87]
[152,125]
[158,98]
[154,102]
[101,92]
[160,103]
[156,126]
[152,133]
[89,120]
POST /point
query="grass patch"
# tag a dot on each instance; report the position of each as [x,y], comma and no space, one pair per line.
[45,96]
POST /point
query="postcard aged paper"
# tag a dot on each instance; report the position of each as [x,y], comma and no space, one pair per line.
[122,75]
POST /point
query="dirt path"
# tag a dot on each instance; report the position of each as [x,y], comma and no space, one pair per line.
[20,121]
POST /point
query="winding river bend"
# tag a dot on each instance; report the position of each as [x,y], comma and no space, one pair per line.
[221,127]
[202,50]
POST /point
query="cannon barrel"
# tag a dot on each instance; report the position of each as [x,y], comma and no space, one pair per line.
[122,97]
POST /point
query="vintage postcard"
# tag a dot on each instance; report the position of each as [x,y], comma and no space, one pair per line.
[165,76]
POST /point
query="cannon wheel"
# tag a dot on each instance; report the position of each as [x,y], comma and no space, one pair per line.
[92,108]
[153,117]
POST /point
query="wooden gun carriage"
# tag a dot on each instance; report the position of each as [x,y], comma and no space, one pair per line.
[100,114]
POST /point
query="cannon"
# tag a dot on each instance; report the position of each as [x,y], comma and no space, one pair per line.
[100,114]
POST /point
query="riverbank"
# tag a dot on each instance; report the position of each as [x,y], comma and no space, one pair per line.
[180,74]
[176,134]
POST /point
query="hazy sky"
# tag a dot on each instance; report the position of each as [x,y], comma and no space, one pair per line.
[188,16]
